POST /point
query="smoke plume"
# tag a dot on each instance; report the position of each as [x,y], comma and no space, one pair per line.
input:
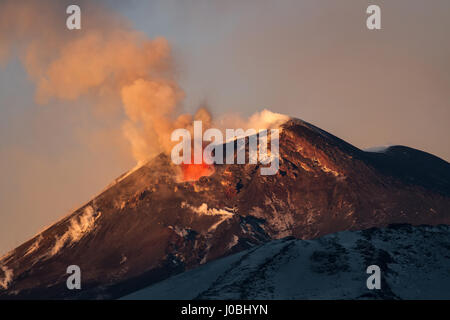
[105,61]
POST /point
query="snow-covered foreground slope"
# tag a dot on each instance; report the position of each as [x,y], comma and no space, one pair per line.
[414,263]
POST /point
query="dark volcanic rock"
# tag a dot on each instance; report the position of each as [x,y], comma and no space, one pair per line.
[148,226]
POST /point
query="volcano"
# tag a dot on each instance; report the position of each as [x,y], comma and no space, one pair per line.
[148,225]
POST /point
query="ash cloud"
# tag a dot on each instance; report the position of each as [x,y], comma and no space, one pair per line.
[105,61]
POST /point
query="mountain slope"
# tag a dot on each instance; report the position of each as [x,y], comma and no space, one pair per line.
[414,263]
[149,225]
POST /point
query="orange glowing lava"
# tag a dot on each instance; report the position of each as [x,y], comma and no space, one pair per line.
[193,172]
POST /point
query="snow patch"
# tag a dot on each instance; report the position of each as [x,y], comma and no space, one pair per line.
[138,166]
[328,170]
[379,149]
[324,168]
[6,256]
[233,242]
[34,246]
[215,225]
[305,167]
[179,231]
[7,278]
[79,226]
[203,209]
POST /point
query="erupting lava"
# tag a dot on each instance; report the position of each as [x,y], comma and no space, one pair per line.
[193,172]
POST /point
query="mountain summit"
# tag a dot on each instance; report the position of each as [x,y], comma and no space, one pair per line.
[148,225]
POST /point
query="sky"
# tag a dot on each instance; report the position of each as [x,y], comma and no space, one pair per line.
[311,59]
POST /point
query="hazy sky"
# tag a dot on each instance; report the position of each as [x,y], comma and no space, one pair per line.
[311,59]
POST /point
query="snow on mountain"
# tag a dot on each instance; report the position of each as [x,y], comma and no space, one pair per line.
[149,225]
[414,263]
[379,149]
[79,226]
[7,277]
